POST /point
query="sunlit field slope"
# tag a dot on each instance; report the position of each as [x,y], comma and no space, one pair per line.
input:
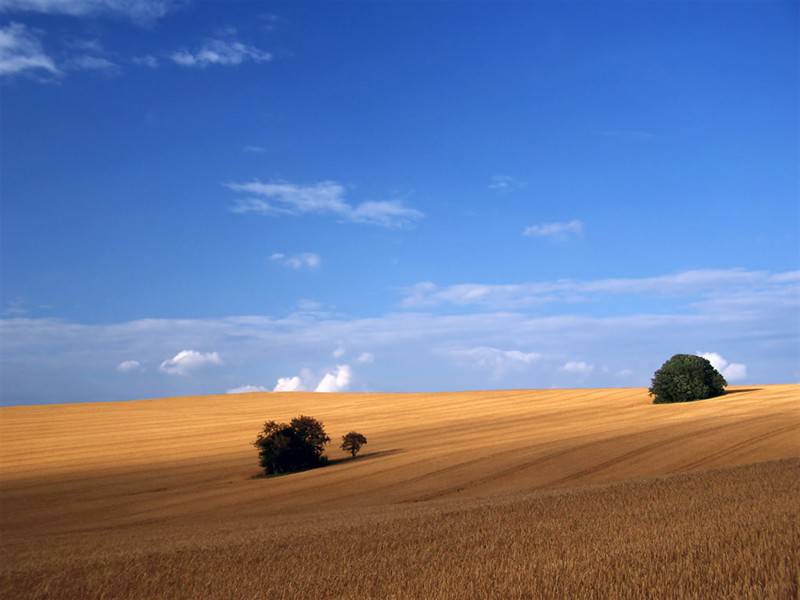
[551,493]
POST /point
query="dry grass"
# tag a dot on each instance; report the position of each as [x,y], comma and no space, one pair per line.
[504,494]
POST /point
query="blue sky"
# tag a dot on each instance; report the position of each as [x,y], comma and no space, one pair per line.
[204,196]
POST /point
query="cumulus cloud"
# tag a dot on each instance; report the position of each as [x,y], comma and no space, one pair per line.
[325,198]
[129,365]
[555,230]
[224,52]
[289,384]
[21,51]
[137,10]
[365,358]
[505,183]
[730,371]
[247,389]
[303,260]
[187,361]
[577,367]
[336,381]
[494,359]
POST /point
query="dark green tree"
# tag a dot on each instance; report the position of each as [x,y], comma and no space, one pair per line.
[296,446]
[686,377]
[352,442]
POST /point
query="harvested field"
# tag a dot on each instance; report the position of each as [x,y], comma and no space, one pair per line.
[515,494]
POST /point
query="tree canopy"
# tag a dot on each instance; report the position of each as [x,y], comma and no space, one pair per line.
[298,445]
[686,377]
[352,442]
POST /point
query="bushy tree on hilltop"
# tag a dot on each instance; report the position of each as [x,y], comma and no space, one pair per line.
[686,377]
[299,445]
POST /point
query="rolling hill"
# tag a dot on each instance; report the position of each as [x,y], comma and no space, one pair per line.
[521,493]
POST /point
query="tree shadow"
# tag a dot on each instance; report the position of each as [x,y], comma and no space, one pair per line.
[741,391]
[334,461]
[365,456]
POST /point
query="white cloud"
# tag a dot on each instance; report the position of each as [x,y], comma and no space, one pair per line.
[339,352]
[323,198]
[129,365]
[384,213]
[506,183]
[289,384]
[309,305]
[730,371]
[304,260]
[365,358]
[728,286]
[90,63]
[186,361]
[336,381]
[138,10]
[555,230]
[254,149]
[247,389]
[577,367]
[220,52]
[494,359]
[63,360]
[147,60]
[21,51]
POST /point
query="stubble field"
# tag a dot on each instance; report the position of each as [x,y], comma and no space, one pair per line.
[513,494]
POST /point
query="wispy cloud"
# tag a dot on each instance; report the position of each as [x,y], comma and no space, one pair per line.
[224,52]
[506,183]
[714,286]
[136,10]
[86,62]
[555,230]
[246,389]
[148,60]
[126,366]
[59,360]
[251,149]
[186,361]
[365,358]
[577,367]
[303,260]
[323,198]
[494,359]
[22,52]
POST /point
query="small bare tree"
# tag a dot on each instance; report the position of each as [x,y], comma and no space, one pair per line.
[352,442]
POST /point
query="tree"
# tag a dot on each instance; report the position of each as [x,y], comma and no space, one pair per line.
[296,446]
[352,442]
[686,377]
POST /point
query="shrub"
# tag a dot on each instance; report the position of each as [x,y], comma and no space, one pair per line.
[686,377]
[297,446]
[352,442]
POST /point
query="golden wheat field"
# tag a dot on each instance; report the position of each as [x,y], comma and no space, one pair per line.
[509,494]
